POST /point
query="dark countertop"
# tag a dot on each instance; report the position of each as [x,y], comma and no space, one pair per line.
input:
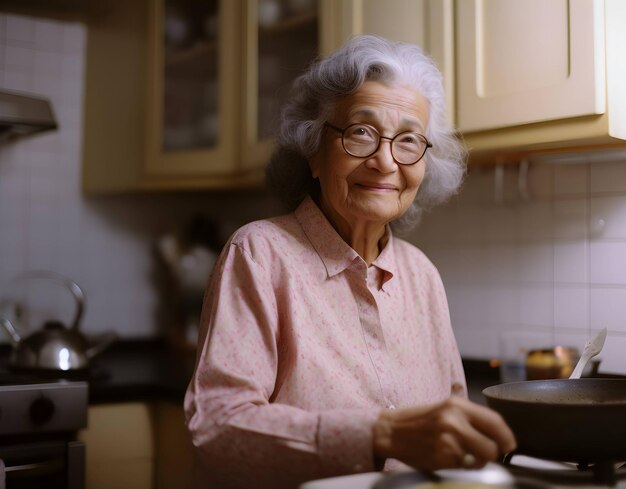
[479,375]
[151,370]
[146,370]
[128,371]
[140,371]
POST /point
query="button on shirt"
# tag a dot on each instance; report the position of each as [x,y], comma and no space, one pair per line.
[302,345]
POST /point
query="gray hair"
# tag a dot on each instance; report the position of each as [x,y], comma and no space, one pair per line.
[311,102]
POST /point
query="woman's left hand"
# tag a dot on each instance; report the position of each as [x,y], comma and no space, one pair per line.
[453,433]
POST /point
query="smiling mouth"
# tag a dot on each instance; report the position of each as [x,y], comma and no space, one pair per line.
[378,187]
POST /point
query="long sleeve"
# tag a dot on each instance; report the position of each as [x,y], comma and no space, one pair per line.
[244,440]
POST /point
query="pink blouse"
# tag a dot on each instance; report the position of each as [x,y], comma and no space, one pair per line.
[302,345]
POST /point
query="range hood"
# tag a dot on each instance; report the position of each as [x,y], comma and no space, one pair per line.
[24,114]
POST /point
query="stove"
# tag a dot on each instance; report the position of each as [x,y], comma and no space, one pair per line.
[534,472]
[518,472]
[39,422]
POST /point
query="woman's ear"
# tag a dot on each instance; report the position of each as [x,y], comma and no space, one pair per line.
[317,160]
[314,163]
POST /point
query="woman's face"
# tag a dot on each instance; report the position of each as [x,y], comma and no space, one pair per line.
[374,188]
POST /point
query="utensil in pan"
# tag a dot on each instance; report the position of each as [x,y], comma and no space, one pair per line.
[592,348]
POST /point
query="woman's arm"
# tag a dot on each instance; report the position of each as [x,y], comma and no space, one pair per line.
[243,439]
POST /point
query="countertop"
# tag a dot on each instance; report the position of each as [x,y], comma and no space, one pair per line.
[140,371]
[128,371]
[151,370]
[147,370]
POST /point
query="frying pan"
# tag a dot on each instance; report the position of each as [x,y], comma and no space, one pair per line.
[576,420]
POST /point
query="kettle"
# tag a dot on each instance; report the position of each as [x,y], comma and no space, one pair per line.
[55,346]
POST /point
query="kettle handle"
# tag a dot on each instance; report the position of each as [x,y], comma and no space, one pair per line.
[72,286]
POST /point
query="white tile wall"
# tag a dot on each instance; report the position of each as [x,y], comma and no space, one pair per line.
[557,269]
[608,177]
[608,307]
[104,244]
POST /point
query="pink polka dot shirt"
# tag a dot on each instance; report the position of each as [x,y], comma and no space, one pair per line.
[302,345]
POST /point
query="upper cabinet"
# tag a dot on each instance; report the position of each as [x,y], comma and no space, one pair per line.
[513,55]
[427,23]
[540,74]
[192,94]
[520,76]
[281,38]
[185,94]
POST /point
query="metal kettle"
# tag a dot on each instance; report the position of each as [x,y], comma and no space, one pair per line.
[55,346]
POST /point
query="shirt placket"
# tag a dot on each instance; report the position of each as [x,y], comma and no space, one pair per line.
[369,316]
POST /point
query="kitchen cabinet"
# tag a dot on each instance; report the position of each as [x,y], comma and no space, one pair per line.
[120,443]
[192,101]
[185,95]
[137,445]
[280,40]
[540,75]
[426,23]
[519,77]
[174,451]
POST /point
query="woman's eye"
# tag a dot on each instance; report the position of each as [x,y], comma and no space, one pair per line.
[410,139]
[362,132]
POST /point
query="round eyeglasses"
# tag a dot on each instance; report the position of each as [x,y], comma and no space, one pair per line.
[363,140]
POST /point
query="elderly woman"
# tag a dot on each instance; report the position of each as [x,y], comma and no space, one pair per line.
[326,346]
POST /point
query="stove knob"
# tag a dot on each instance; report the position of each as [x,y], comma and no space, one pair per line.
[41,410]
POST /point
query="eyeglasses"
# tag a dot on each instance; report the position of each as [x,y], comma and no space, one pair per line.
[362,141]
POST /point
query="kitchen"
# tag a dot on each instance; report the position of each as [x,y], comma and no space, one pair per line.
[535,243]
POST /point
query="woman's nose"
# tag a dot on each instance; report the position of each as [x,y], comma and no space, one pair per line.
[382,159]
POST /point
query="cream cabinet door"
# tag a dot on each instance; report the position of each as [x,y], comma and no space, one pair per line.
[119,443]
[426,23]
[528,61]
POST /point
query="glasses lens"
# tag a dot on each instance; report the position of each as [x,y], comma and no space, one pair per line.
[407,148]
[360,140]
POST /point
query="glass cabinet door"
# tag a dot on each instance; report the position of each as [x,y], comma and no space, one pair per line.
[282,39]
[190,69]
[192,107]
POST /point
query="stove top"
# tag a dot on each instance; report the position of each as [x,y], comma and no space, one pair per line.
[9,376]
[521,472]
[534,472]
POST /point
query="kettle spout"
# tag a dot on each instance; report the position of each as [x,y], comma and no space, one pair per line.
[102,342]
[13,334]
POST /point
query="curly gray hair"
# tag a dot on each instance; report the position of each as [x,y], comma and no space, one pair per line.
[311,102]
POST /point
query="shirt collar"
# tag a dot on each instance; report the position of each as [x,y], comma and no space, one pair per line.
[334,252]
[386,261]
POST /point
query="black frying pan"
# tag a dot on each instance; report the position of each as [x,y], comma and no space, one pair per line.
[582,420]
